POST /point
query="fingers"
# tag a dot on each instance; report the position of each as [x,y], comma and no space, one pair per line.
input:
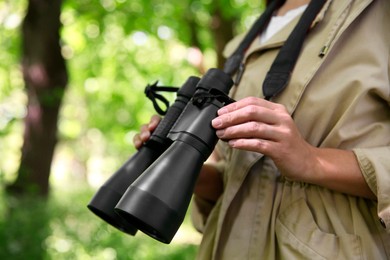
[254,145]
[243,115]
[253,124]
[137,141]
[154,121]
[141,137]
[146,131]
[249,101]
[249,129]
[247,110]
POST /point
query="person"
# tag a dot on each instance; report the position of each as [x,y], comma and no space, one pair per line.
[305,175]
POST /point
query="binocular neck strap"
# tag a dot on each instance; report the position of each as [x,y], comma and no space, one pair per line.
[233,62]
[279,74]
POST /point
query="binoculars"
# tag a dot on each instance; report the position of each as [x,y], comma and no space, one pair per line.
[151,192]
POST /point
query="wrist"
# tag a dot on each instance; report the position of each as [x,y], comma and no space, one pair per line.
[316,167]
[337,170]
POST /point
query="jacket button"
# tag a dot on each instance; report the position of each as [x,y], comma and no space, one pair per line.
[382,223]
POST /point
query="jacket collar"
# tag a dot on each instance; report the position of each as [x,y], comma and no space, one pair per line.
[278,39]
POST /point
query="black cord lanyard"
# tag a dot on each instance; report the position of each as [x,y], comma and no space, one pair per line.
[151,93]
[279,74]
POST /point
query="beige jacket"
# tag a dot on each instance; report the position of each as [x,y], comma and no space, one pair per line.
[339,96]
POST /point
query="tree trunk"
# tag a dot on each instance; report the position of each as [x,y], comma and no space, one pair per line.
[222,29]
[45,76]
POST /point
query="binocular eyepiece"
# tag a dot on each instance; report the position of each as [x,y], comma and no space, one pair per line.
[151,192]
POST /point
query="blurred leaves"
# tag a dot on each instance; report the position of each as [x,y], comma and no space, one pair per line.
[62,228]
[113,48]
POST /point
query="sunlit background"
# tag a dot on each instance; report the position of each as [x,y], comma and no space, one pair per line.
[113,48]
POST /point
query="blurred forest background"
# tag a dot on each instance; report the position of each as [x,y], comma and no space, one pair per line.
[72,79]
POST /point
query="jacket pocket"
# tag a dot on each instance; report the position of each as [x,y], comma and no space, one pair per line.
[299,237]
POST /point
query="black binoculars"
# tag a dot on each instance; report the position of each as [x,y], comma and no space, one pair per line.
[151,192]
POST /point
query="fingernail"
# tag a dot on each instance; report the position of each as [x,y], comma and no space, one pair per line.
[137,143]
[220,132]
[222,111]
[145,135]
[153,124]
[216,122]
[232,142]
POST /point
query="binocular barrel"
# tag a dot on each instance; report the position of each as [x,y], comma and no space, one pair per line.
[106,198]
[157,201]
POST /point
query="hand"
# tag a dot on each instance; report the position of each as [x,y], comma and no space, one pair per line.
[146,131]
[254,124]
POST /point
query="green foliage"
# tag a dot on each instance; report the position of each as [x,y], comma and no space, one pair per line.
[113,48]
[63,228]
[12,97]
[113,51]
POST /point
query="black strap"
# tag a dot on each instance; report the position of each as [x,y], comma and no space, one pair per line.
[279,75]
[233,62]
[151,93]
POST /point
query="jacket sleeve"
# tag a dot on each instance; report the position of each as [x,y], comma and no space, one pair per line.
[375,166]
[200,209]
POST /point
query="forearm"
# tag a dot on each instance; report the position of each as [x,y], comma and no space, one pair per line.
[337,170]
[208,189]
[209,185]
